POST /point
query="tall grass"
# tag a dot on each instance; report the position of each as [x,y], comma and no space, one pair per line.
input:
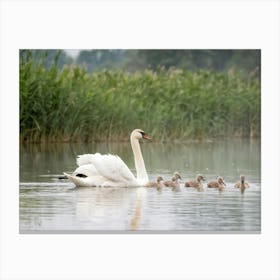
[74,105]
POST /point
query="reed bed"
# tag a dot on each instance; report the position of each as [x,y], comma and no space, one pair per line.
[72,105]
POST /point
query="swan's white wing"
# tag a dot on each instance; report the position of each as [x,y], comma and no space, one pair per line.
[113,168]
[86,169]
[86,159]
[103,170]
[109,166]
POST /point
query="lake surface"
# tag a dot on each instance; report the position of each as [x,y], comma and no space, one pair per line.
[50,205]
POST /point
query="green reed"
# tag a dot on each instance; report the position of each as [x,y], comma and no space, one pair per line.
[74,105]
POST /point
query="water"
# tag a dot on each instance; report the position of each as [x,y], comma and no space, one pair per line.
[47,204]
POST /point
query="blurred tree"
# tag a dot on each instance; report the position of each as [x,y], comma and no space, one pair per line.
[248,61]
[48,57]
[217,60]
[99,59]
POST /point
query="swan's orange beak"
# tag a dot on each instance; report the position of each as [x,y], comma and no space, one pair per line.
[145,136]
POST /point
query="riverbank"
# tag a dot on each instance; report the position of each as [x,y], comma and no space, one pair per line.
[72,105]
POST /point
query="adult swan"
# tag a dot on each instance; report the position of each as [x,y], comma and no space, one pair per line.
[109,170]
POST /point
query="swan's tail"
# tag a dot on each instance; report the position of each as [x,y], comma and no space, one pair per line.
[62,177]
[78,181]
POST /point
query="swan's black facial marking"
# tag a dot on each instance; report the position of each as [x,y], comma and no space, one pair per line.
[81,175]
[144,135]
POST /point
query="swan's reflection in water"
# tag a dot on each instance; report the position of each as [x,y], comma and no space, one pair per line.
[62,207]
[110,208]
[140,197]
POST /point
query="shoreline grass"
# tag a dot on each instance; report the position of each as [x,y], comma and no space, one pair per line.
[72,105]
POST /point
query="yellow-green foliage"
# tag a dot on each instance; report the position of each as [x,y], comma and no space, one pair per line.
[74,105]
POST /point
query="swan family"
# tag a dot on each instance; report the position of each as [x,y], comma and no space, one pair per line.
[107,170]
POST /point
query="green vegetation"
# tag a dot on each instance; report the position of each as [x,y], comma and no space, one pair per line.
[71,104]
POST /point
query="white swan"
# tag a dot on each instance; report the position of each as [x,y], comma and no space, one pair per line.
[109,170]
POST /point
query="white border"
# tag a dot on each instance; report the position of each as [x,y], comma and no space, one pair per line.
[156,24]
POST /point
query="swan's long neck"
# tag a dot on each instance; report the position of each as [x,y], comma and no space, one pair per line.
[139,161]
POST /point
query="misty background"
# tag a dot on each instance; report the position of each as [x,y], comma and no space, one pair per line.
[247,61]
